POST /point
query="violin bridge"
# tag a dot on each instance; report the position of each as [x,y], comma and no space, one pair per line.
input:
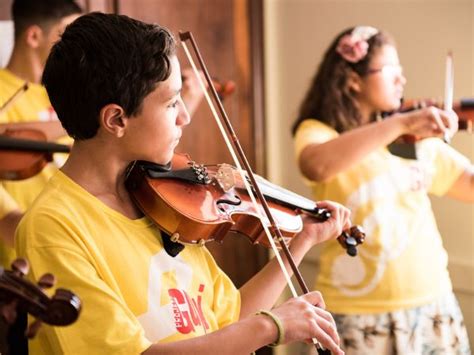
[225,176]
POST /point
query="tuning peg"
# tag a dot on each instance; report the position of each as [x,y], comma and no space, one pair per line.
[20,266]
[33,329]
[351,238]
[47,281]
[8,312]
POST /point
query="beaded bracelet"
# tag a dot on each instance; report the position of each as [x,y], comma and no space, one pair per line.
[276,320]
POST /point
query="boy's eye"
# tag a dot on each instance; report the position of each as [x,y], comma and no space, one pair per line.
[174,104]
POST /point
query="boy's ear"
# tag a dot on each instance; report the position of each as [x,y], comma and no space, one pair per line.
[111,118]
[354,82]
[33,36]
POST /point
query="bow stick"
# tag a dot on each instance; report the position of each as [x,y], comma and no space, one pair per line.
[235,150]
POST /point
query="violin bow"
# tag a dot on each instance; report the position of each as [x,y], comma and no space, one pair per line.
[238,156]
[448,89]
[14,97]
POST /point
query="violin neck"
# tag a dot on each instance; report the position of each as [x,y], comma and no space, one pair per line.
[467,103]
[9,143]
[284,196]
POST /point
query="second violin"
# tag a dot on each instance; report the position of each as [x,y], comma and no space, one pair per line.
[25,152]
[464,108]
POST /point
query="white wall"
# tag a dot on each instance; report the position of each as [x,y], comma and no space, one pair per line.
[296,34]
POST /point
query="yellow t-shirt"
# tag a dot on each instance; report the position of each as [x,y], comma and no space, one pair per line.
[133,292]
[402,263]
[7,204]
[32,105]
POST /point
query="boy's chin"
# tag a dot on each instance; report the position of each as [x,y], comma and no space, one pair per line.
[166,159]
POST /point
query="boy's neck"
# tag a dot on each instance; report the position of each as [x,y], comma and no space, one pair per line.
[26,64]
[96,168]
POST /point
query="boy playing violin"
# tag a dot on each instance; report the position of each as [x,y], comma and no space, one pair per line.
[85,227]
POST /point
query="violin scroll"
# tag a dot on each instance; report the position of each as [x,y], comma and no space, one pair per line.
[17,294]
[351,239]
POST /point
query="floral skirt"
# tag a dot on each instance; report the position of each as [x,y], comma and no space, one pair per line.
[437,328]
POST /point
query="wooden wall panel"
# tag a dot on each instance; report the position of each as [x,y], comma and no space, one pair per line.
[5,10]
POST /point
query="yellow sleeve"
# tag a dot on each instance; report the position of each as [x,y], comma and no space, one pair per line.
[312,131]
[7,204]
[106,325]
[309,132]
[443,163]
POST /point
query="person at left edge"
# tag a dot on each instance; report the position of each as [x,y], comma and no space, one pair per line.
[37,25]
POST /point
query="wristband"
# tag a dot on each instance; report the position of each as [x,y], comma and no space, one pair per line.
[276,320]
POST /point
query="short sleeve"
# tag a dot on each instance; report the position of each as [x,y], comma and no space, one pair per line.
[312,131]
[442,163]
[105,325]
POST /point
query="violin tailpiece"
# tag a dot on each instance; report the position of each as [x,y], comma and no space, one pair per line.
[171,248]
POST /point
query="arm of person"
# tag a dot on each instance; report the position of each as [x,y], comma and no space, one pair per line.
[8,225]
[317,163]
[10,216]
[263,290]
[52,129]
[301,319]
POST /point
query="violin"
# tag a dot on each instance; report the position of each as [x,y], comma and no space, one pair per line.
[18,296]
[464,108]
[196,204]
[404,146]
[25,152]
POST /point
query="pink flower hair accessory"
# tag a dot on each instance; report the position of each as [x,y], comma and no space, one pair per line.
[353,47]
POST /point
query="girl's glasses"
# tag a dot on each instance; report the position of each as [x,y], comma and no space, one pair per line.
[388,70]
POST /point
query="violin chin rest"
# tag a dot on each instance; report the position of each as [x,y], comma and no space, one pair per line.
[161,168]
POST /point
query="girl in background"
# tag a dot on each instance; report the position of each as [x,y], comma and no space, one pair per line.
[396,296]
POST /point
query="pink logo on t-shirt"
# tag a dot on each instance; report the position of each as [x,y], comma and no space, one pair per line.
[417,178]
[187,312]
[47,115]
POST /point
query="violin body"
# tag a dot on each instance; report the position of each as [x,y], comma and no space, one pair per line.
[193,204]
[16,165]
[25,152]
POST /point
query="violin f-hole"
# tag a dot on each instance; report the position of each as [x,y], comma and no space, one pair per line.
[228,201]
